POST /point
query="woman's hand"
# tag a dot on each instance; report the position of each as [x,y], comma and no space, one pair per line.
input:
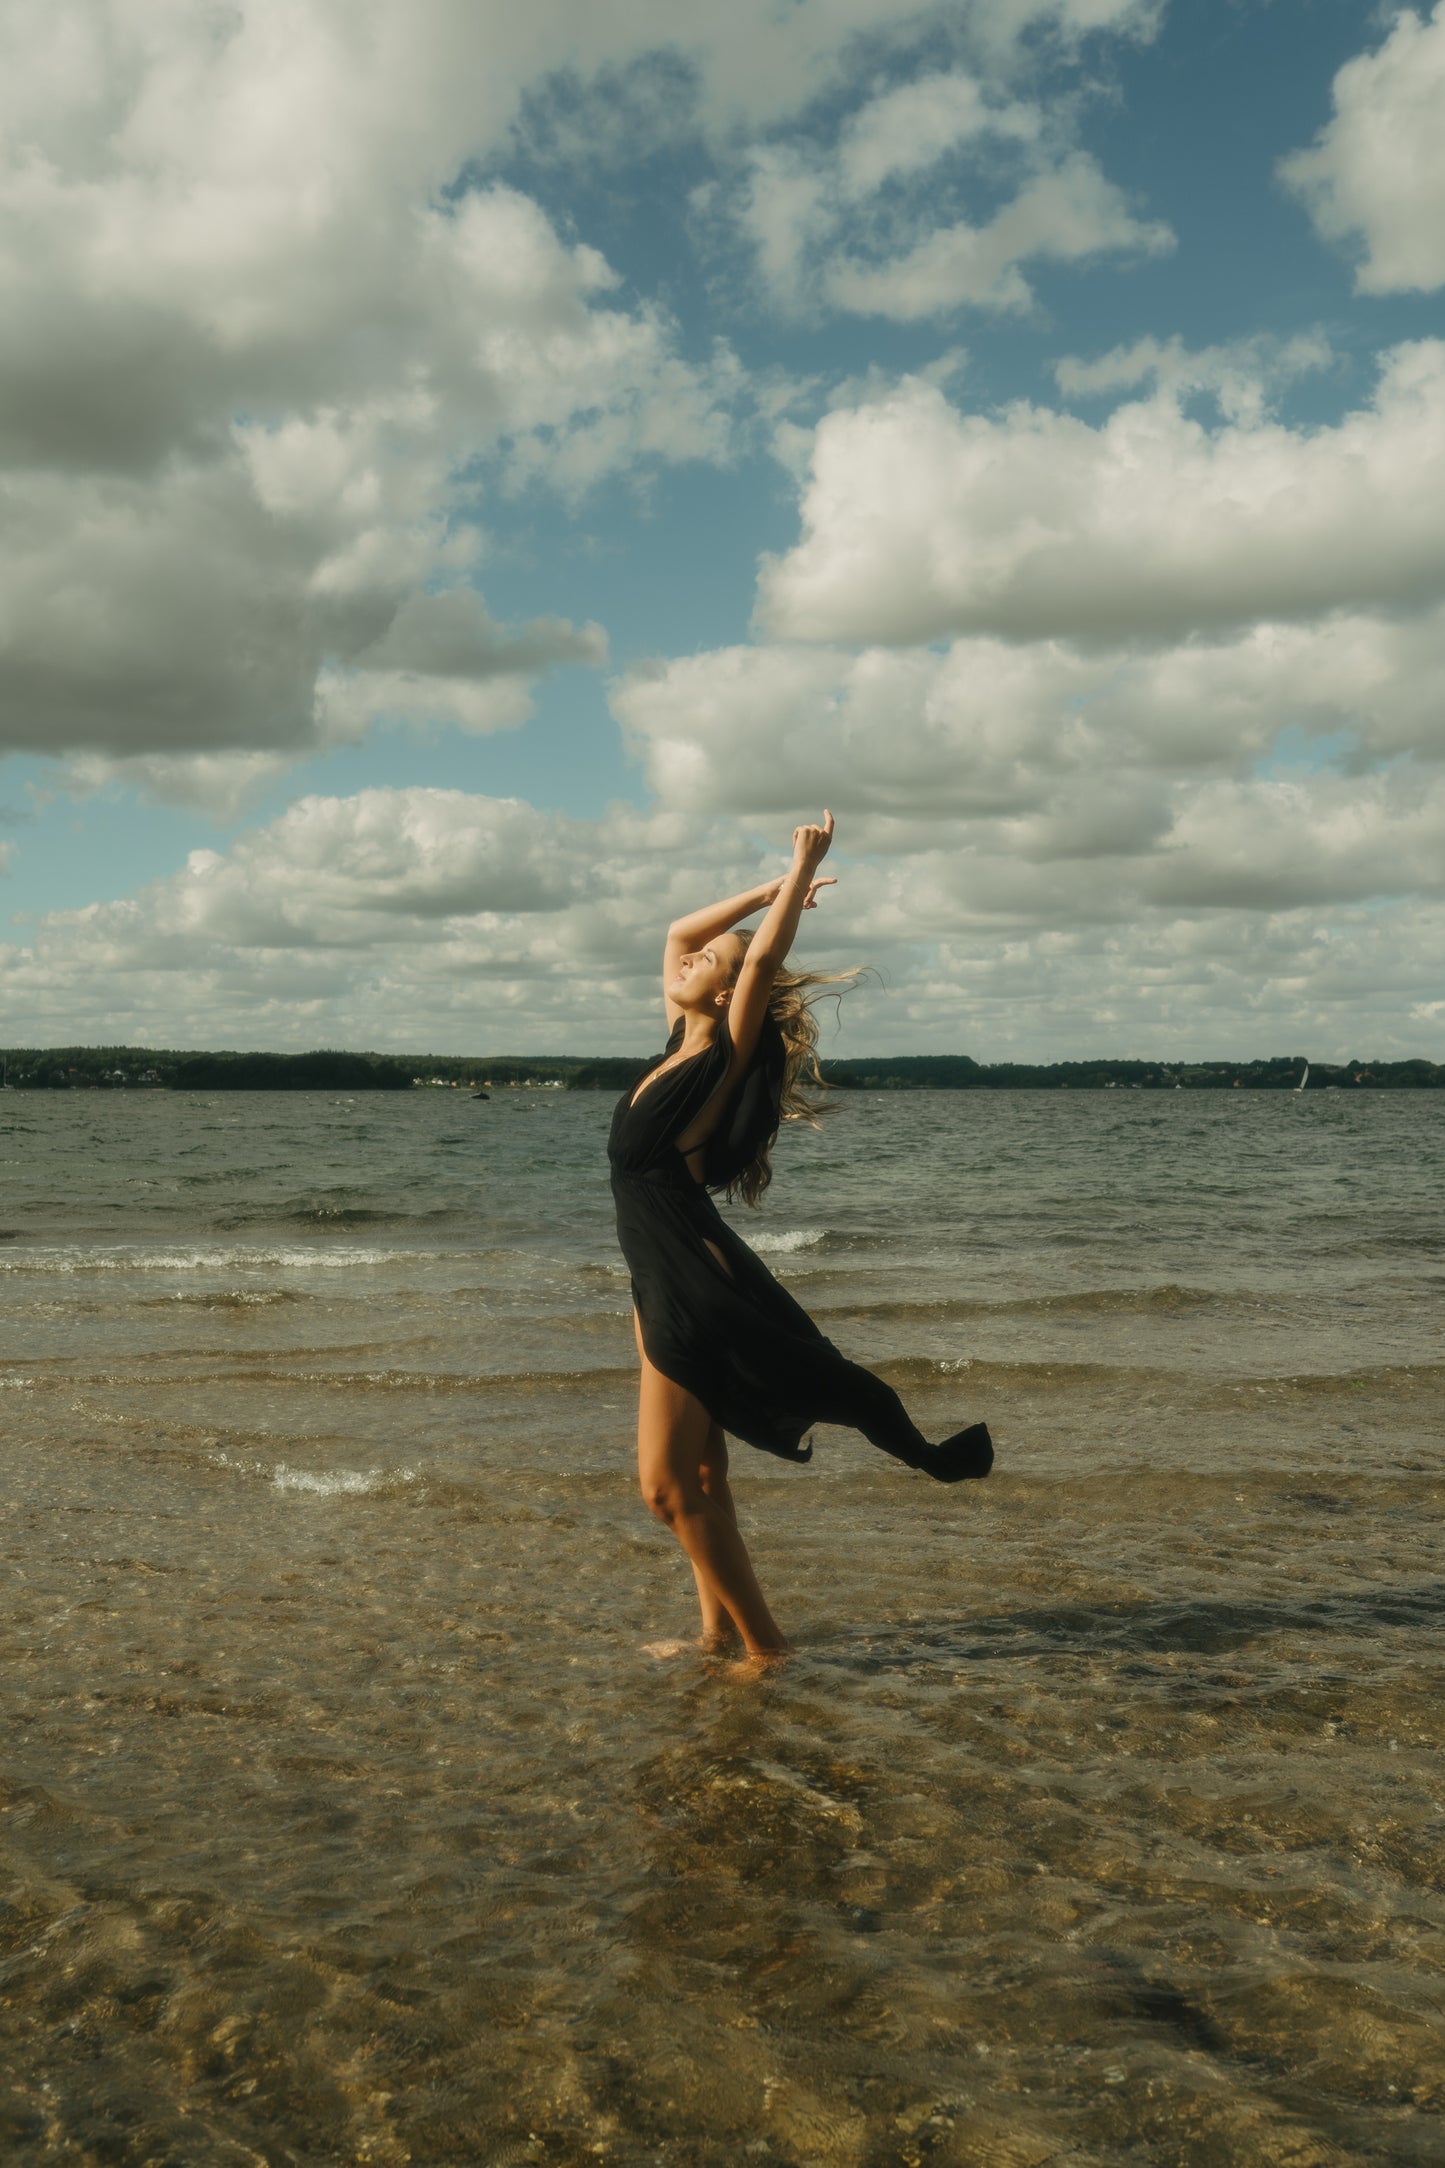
[771,890]
[810,845]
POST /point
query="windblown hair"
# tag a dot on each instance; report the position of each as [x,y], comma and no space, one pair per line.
[804,1095]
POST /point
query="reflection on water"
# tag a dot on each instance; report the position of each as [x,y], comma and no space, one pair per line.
[1098,1818]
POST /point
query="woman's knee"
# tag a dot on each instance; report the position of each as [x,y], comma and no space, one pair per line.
[660,1501]
[672,1490]
[672,1444]
[669,1499]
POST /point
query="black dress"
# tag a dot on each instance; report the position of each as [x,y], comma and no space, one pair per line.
[729,1333]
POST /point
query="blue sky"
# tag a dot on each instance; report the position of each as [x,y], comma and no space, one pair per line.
[472,485]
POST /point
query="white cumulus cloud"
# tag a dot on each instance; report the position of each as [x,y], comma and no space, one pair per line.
[920,520]
[1057,815]
[1078,743]
[258,326]
[856,225]
[1374,179]
[1069,212]
[390,918]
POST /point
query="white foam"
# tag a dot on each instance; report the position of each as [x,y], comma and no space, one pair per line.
[787,1240]
[337,1483]
[332,1258]
[341,1482]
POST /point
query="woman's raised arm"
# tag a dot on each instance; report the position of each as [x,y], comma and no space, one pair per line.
[768,949]
[689,933]
[686,935]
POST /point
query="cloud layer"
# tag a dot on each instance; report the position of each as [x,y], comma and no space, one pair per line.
[409,919]
[271,328]
[243,570]
[1127,698]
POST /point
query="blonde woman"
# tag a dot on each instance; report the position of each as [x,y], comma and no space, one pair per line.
[723,1346]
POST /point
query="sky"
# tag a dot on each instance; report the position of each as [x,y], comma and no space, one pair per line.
[473,477]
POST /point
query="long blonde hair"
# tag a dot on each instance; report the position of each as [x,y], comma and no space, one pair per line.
[804,1095]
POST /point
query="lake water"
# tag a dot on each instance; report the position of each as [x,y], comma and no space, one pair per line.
[1098,1818]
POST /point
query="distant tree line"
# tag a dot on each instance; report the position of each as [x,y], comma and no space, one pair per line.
[1280,1072]
[119,1068]
[116,1068]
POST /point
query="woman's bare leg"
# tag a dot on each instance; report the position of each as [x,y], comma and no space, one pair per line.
[675,1443]
[718,1626]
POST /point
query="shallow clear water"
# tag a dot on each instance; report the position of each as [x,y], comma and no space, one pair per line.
[1098,1818]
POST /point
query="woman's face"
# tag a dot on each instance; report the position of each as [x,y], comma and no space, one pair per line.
[704,979]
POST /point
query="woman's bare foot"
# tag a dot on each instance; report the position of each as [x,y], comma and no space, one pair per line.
[709,1644]
[760,1660]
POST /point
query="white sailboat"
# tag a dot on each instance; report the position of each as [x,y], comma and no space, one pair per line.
[1304,1079]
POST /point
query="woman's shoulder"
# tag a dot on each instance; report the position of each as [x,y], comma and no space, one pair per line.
[766,1049]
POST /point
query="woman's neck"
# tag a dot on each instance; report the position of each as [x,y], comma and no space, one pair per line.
[699,1029]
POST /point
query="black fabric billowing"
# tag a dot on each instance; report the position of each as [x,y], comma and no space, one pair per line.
[729,1334]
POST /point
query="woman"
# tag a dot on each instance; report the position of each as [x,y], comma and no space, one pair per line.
[723,1346]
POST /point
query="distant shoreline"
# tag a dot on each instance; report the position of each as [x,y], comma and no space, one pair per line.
[121,1068]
